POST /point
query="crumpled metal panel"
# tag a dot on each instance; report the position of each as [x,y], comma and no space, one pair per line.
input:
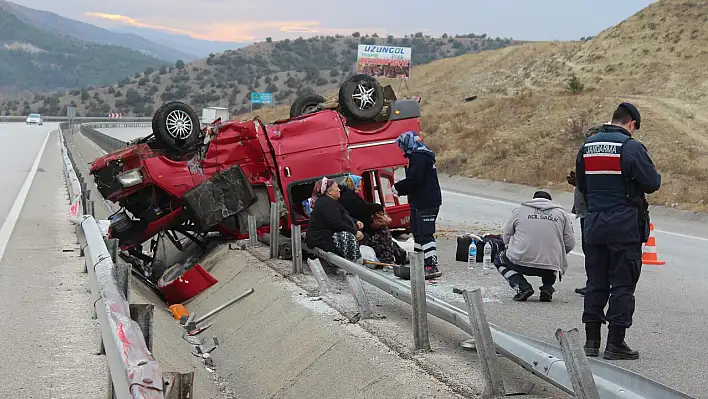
[225,194]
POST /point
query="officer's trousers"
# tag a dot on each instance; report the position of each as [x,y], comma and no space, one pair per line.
[423,230]
[612,274]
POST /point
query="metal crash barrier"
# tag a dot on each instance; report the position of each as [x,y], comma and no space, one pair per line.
[565,366]
[126,329]
[542,359]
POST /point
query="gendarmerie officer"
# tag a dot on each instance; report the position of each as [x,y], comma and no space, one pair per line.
[614,172]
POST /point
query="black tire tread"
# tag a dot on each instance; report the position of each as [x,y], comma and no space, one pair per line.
[350,110]
[299,105]
[160,131]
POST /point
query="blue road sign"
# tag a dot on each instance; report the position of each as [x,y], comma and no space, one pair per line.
[261,98]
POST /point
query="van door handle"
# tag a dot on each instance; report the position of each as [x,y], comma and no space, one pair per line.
[287,171]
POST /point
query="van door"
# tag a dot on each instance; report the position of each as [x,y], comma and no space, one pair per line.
[382,181]
[306,147]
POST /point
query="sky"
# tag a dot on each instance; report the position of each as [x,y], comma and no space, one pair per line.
[254,20]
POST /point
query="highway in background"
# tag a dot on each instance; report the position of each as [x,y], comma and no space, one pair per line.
[49,341]
[671,304]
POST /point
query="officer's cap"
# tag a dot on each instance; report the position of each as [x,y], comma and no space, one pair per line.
[633,112]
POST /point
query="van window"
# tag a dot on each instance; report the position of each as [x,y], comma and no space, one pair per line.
[386,185]
[399,173]
[302,191]
[382,178]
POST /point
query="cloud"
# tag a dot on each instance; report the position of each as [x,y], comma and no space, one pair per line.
[235,30]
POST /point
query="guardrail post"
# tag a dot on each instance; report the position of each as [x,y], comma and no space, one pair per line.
[484,342]
[418,302]
[274,229]
[357,291]
[122,273]
[113,248]
[252,232]
[320,276]
[178,385]
[142,313]
[296,237]
[577,364]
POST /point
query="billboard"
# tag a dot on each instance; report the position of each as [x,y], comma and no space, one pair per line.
[261,98]
[384,61]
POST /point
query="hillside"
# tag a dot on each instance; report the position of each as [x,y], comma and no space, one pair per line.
[528,122]
[57,24]
[287,68]
[35,59]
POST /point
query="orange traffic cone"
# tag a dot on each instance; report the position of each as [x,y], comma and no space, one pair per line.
[649,254]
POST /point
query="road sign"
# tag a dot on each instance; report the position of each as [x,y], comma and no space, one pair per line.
[114,115]
[384,61]
[261,98]
[71,112]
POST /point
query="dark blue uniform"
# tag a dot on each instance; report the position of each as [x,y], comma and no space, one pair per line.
[424,197]
[614,172]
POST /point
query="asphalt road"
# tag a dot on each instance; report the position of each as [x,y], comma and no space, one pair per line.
[49,341]
[671,308]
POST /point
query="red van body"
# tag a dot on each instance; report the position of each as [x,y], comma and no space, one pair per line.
[246,165]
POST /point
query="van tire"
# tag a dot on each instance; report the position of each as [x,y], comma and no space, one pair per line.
[305,104]
[352,107]
[176,126]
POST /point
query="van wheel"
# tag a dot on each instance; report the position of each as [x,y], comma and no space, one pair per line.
[306,104]
[176,126]
[361,98]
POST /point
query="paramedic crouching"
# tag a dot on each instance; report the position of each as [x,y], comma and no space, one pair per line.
[424,197]
[614,172]
[537,238]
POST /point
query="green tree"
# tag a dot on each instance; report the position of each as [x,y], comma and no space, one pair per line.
[179,64]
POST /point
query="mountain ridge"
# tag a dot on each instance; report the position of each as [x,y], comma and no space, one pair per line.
[36,59]
[55,23]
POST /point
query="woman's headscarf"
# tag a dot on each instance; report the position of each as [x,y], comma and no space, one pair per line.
[321,187]
[410,141]
[353,182]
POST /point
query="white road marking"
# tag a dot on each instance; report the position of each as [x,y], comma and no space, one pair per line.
[14,214]
[499,201]
[680,235]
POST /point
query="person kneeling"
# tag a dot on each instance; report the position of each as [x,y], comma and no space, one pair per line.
[537,238]
[331,228]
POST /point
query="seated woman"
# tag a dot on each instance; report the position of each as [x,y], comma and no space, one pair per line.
[374,220]
[331,228]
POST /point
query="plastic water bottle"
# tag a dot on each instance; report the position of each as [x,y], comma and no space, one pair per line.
[472,255]
[487,261]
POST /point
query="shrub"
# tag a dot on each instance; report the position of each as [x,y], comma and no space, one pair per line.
[575,86]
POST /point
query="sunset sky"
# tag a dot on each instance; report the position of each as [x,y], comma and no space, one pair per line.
[245,21]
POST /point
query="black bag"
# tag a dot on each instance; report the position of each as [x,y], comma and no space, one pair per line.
[463,245]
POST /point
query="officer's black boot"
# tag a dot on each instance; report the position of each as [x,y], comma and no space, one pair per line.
[616,348]
[592,339]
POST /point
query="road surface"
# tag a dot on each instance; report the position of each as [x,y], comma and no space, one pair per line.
[49,341]
[671,305]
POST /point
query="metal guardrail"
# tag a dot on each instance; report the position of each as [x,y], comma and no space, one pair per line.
[540,358]
[95,125]
[126,329]
[106,142]
[80,119]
